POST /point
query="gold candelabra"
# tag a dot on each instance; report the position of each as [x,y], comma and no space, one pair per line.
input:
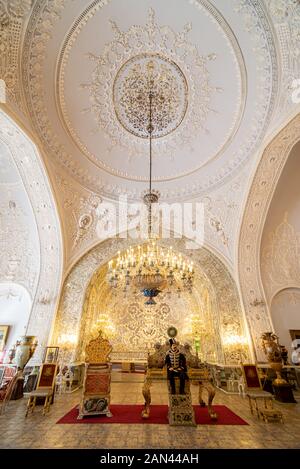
[236,344]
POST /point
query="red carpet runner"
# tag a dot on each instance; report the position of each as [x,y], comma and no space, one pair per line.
[159,415]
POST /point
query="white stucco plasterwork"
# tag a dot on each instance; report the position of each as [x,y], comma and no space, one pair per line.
[42,24]
[32,173]
[258,201]
[285,16]
[12,16]
[82,210]
[19,243]
[280,264]
[175,47]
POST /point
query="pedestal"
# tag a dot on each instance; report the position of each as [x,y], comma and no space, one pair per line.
[181,411]
[284,393]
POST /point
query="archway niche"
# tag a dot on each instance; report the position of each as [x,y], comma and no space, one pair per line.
[30,236]
[85,295]
[285,312]
[15,307]
[256,297]
[280,251]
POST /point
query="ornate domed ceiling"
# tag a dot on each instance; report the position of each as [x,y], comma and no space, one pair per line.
[214,63]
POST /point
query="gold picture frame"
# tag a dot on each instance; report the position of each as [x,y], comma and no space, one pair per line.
[3,336]
[51,355]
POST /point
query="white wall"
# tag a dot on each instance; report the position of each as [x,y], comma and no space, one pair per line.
[285,311]
[15,306]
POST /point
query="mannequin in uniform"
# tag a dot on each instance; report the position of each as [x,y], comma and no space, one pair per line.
[176,366]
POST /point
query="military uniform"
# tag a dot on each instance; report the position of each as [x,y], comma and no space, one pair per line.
[177,361]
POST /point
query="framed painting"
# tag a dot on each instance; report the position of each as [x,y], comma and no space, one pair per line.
[51,355]
[3,336]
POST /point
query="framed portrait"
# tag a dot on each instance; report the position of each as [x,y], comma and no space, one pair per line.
[51,355]
[3,336]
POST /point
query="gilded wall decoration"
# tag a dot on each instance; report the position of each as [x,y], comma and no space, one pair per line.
[256,209]
[137,327]
[227,315]
[280,263]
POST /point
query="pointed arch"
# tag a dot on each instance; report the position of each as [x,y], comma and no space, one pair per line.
[75,290]
[28,162]
[258,201]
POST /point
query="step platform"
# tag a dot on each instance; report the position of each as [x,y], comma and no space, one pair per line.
[181,410]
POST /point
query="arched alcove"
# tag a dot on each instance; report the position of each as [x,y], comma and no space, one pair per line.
[280,244]
[280,251]
[30,237]
[76,315]
[15,307]
[285,313]
[264,183]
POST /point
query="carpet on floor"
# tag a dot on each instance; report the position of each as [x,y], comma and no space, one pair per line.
[159,415]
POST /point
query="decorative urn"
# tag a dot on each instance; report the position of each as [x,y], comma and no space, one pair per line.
[272,350]
[25,348]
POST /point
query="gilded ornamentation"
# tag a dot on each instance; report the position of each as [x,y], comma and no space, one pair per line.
[98,350]
[198,374]
[259,199]
[77,312]
[272,350]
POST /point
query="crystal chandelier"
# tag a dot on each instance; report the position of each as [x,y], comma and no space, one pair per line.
[149,267]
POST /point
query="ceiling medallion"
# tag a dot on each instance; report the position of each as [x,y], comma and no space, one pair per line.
[133,82]
[187,83]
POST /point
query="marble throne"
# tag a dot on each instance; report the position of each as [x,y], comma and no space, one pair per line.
[197,372]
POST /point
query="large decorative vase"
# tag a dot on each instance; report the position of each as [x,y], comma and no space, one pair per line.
[272,350]
[26,346]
